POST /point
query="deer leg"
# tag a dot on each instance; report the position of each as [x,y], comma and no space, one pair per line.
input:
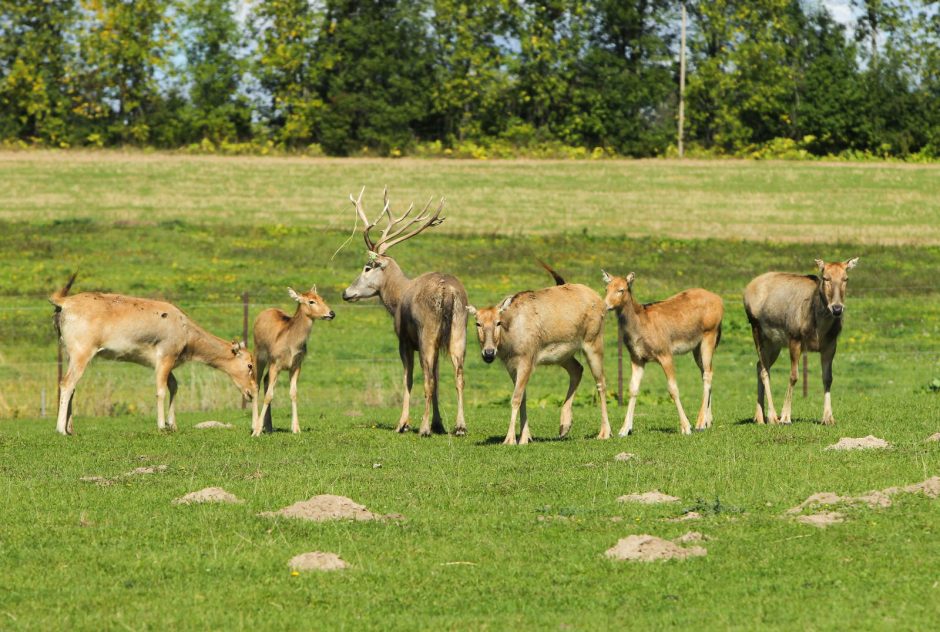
[437,424]
[826,358]
[636,377]
[78,361]
[670,371]
[408,364]
[260,387]
[172,387]
[766,356]
[521,375]
[458,349]
[294,421]
[164,366]
[429,368]
[786,413]
[703,358]
[594,354]
[264,417]
[575,370]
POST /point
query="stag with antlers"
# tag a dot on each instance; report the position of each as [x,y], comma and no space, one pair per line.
[429,311]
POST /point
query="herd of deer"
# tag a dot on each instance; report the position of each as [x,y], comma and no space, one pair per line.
[547,326]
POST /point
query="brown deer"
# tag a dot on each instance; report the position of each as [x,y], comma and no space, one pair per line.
[429,311]
[547,326]
[280,345]
[655,332]
[144,331]
[803,313]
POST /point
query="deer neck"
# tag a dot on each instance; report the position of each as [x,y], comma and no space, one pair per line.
[825,324]
[299,326]
[631,315]
[208,349]
[393,287]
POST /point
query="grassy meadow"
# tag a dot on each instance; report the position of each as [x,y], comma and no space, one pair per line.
[493,537]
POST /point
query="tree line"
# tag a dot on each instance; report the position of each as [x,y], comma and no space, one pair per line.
[440,76]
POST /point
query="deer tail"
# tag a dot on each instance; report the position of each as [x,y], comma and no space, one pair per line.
[59,295]
[558,278]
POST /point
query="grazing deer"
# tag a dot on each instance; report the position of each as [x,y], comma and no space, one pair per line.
[281,344]
[655,332]
[429,311]
[547,326]
[144,331]
[803,313]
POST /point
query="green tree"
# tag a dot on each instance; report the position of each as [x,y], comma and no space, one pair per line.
[36,59]
[123,48]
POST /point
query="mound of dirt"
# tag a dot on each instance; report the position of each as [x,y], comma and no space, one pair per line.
[207,495]
[353,413]
[934,437]
[624,456]
[97,480]
[689,515]
[317,561]
[212,424]
[862,443]
[822,519]
[692,536]
[648,498]
[649,548]
[874,499]
[150,469]
[328,507]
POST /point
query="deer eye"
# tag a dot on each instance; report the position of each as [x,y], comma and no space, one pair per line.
[499,323]
[312,302]
[620,291]
[479,325]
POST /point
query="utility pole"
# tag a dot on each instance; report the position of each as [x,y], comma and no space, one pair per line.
[682,84]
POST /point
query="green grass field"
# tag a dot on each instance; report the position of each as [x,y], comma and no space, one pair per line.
[493,537]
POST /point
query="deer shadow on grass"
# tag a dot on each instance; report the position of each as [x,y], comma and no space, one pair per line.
[498,440]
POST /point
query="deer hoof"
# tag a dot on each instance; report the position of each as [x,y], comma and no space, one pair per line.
[509,441]
[403,428]
[425,433]
[460,432]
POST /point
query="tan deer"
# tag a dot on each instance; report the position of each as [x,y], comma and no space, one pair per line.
[429,311]
[547,326]
[144,331]
[803,313]
[281,345]
[655,332]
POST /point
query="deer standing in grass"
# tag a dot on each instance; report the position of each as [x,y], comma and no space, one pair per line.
[802,313]
[655,332]
[281,345]
[144,331]
[429,311]
[547,326]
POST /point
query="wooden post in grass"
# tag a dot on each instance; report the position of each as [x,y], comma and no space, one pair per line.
[805,383]
[619,367]
[244,332]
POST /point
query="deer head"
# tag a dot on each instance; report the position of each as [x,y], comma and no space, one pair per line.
[618,290]
[833,278]
[373,275]
[490,327]
[242,369]
[312,304]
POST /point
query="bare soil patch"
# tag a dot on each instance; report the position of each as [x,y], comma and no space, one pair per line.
[207,495]
[206,425]
[862,443]
[934,437]
[149,469]
[876,499]
[624,456]
[689,515]
[328,507]
[822,519]
[692,536]
[97,480]
[104,481]
[648,498]
[649,548]
[317,561]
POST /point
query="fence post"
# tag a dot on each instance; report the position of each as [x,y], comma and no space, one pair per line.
[42,402]
[244,332]
[805,383]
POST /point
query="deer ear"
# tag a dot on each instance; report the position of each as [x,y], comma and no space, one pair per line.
[820,264]
[505,304]
[607,278]
[237,346]
[314,288]
[851,263]
[471,310]
[630,278]
[294,295]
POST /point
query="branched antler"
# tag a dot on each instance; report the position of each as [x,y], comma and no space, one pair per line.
[396,229]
